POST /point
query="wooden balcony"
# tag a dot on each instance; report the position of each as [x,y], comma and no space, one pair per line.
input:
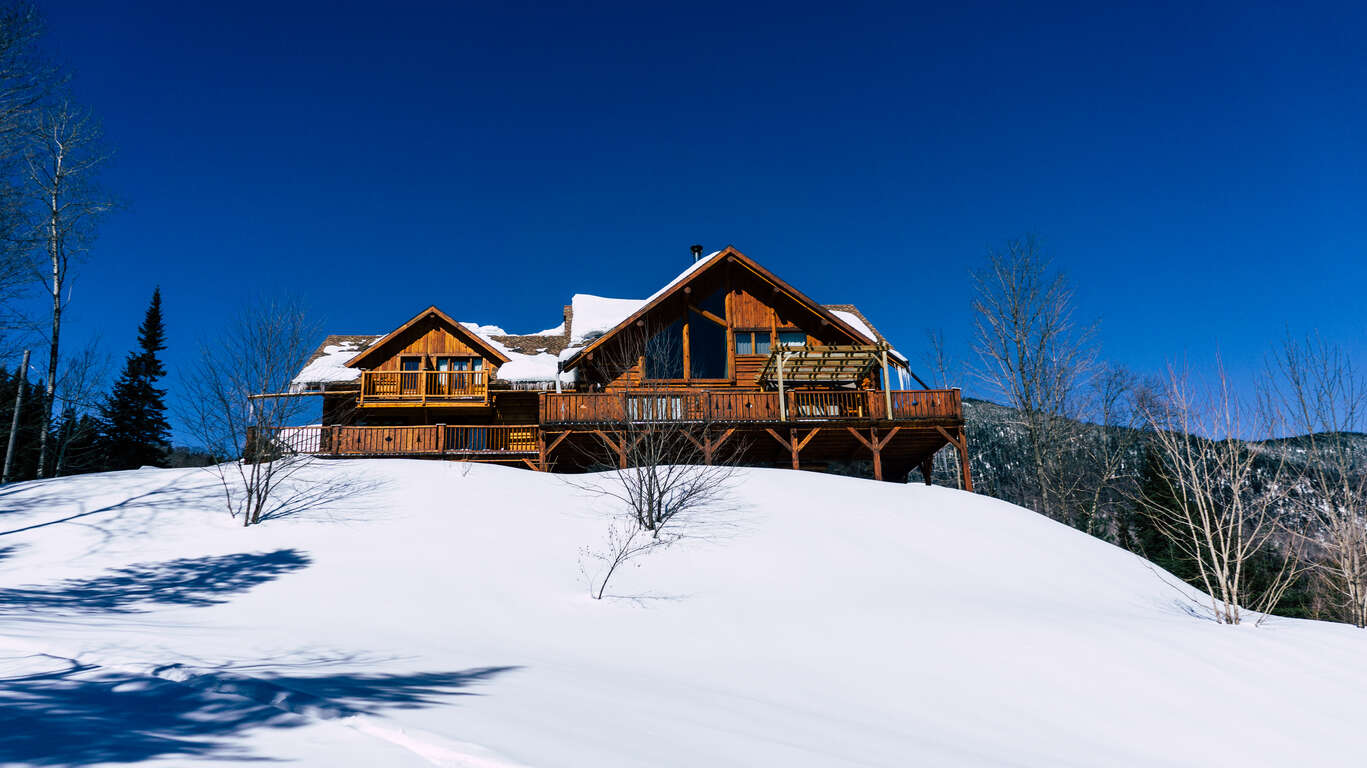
[732,407]
[434,440]
[409,388]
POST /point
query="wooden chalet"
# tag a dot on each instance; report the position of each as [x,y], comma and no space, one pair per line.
[727,347]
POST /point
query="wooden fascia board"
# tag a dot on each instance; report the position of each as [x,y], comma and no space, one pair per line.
[470,337]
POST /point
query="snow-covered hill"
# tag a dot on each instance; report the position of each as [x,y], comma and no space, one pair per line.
[423,613]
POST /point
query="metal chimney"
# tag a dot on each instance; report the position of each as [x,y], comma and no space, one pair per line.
[697,251]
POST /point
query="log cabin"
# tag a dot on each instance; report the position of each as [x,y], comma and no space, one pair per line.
[727,348]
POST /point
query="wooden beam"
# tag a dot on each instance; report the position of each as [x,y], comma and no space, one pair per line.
[888,439]
[619,447]
[708,315]
[927,467]
[808,438]
[855,431]
[724,436]
[780,440]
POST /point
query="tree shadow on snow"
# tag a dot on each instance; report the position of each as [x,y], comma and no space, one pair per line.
[138,515]
[74,714]
[191,581]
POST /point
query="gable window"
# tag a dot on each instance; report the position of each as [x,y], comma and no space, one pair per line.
[752,342]
[792,339]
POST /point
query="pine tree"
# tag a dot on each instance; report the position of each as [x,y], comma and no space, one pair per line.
[135,430]
[1140,534]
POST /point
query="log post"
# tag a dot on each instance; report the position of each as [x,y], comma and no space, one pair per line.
[926,468]
[965,475]
[877,449]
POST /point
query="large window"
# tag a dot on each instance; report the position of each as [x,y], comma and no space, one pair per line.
[792,339]
[706,348]
[707,358]
[664,353]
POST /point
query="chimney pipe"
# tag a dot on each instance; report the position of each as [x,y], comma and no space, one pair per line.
[696,250]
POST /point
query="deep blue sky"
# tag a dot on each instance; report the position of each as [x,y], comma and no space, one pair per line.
[1198,171]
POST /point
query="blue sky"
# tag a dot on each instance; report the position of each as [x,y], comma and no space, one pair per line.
[1197,169]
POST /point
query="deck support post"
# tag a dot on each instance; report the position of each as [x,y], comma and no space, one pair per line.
[547,449]
[877,449]
[713,445]
[960,442]
[966,475]
[619,447]
[927,467]
[875,446]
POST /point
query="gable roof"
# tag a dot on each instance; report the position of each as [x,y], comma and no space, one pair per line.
[470,337]
[696,270]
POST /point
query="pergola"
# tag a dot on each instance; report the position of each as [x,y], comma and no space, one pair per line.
[842,366]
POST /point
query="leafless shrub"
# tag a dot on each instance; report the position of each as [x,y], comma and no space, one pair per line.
[670,473]
[1212,500]
[1324,400]
[259,353]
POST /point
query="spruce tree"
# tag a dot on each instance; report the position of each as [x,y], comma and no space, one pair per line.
[135,430]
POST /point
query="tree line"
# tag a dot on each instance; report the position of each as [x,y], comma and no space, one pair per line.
[56,416]
[1252,489]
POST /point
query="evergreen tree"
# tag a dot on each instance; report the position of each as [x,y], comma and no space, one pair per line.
[135,430]
[30,423]
[1141,535]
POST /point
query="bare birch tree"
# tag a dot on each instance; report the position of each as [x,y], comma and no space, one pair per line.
[1034,357]
[258,353]
[1324,400]
[63,158]
[25,81]
[1213,501]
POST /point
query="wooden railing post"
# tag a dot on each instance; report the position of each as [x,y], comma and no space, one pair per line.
[335,439]
[441,438]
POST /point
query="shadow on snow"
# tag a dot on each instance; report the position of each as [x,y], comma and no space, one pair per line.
[81,714]
[191,581]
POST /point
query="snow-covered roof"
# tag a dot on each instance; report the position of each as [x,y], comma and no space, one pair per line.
[593,316]
[522,367]
[534,357]
[328,363]
[855,323]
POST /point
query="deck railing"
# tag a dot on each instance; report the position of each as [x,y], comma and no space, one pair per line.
[435,440]
[419,387]
[737,407]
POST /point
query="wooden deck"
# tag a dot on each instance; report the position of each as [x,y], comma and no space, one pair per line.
[410,388]
[804,428]
[498,441]
[733,407]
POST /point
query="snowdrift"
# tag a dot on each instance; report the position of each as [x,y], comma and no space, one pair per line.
[411,613]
